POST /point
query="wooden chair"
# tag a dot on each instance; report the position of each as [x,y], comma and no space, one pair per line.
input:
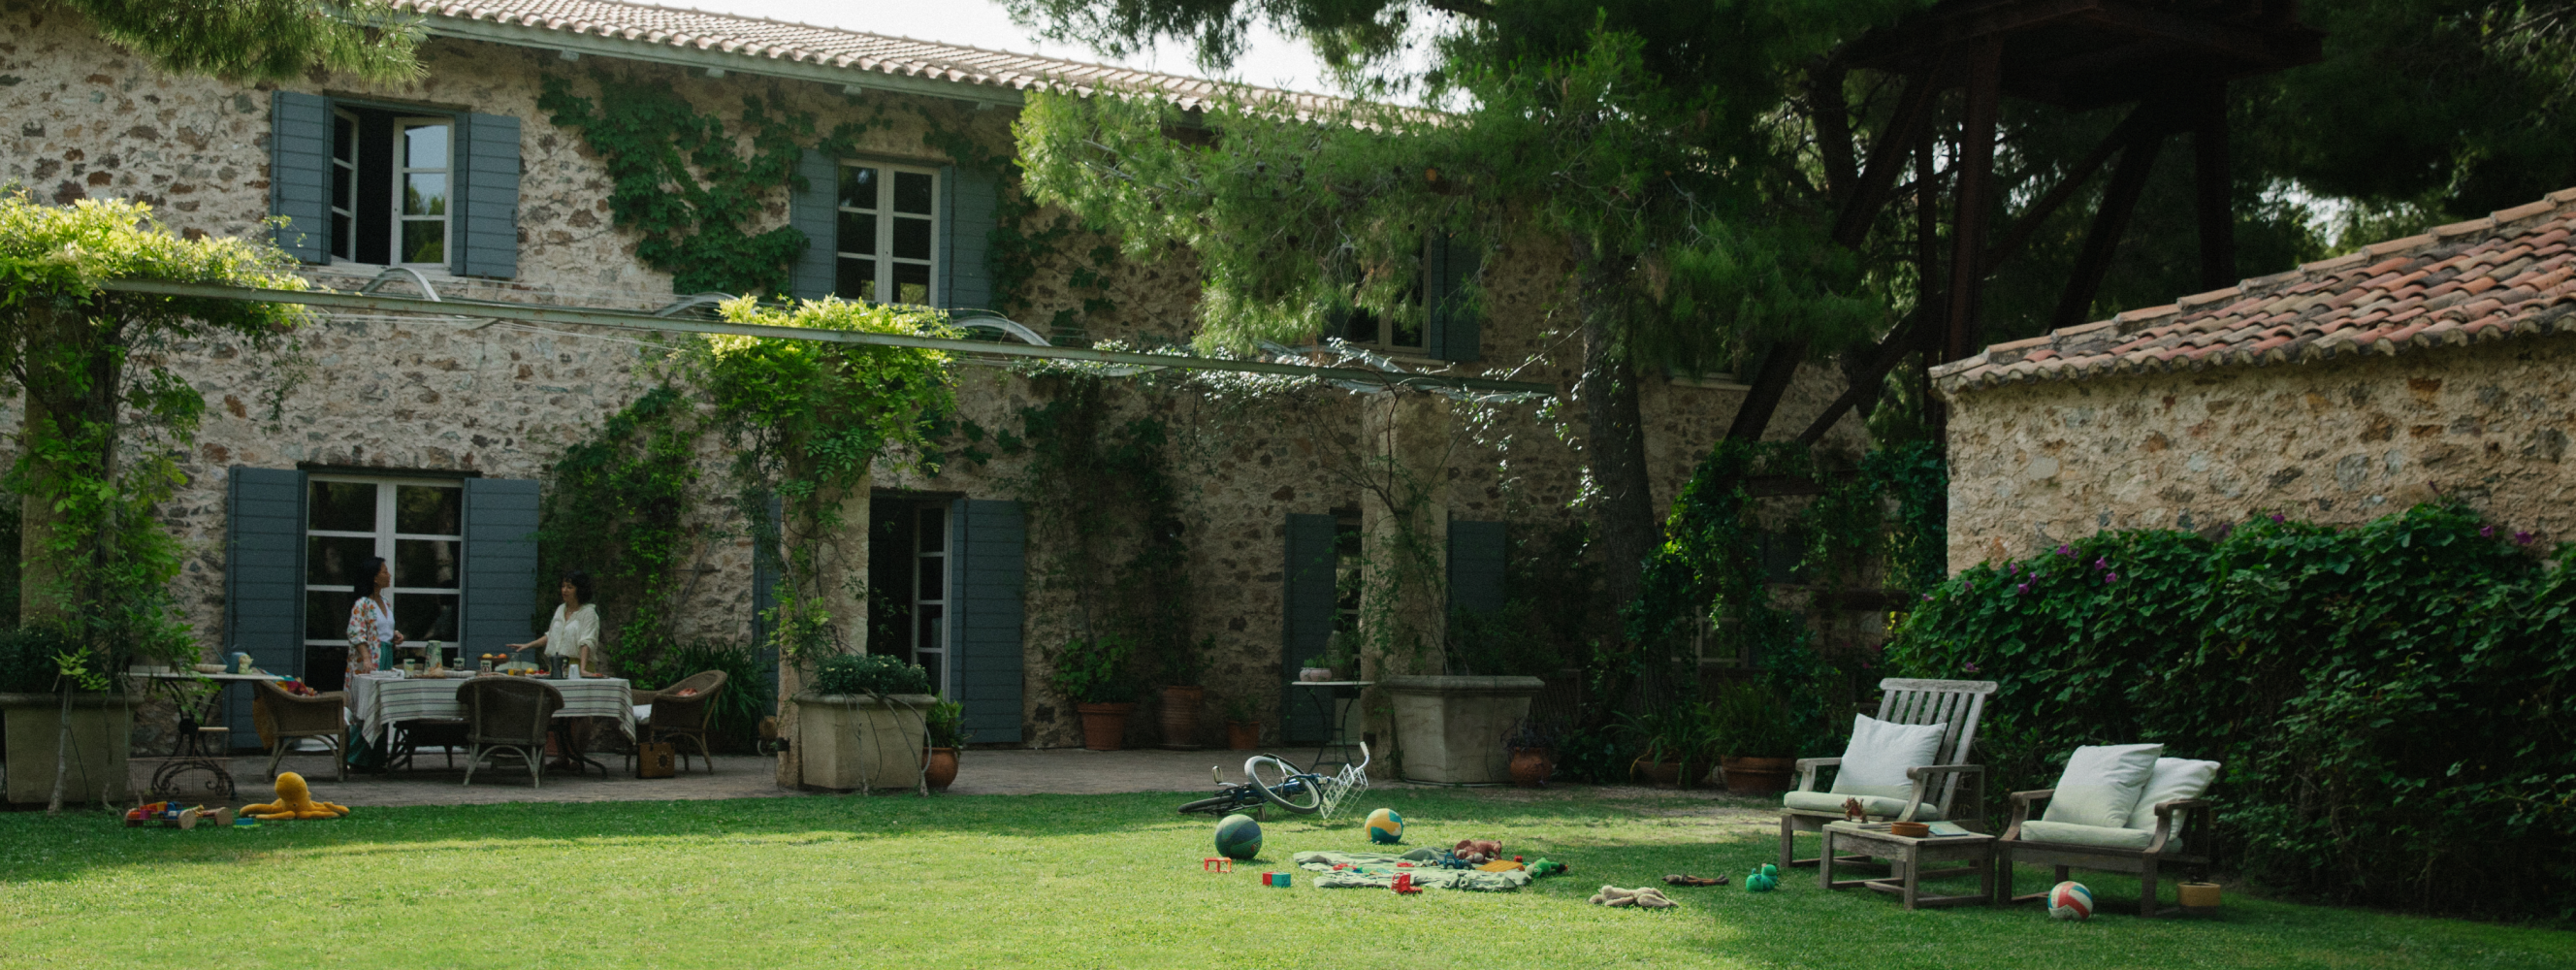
[512,715]
[1956,703]
[2163,848]
[692,717]
[283,719]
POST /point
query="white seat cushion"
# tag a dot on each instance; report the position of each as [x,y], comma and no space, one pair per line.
[1875,761]
[2093,835]
[2172,780]
[2101,783]
[1816,801]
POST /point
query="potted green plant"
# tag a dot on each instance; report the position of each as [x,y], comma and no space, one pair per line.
[1533,752]
[61,718]
[1758,740]
[945,722]
[1673,743]
[1242,724]
[1092,672]
[1182,695]
[862,722]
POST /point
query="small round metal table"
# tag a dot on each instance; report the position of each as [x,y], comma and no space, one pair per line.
[1328,698]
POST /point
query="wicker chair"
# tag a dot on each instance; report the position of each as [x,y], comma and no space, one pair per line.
[444,733]
[509,714]
[676,717]
[283,719]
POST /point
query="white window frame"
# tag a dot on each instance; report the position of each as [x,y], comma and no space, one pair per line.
[884,256]
[402,169]
[385,537]
[925,562]
[1385,342]
[344,245]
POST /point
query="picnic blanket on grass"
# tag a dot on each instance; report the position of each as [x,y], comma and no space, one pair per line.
[1377,870]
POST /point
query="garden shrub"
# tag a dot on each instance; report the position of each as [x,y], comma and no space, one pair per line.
[869,673]
[747,692]
[2390,699]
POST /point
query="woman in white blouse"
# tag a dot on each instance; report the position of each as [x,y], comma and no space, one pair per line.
[573,634]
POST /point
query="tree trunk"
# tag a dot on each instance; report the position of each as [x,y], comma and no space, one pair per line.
[1615,450]
[62,751]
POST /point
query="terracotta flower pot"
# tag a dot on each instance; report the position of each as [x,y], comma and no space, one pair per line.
[1243,735]
[1181,717]
[942,770]
[1661,774]
[1531,766]
[1757,776]
[1104,726]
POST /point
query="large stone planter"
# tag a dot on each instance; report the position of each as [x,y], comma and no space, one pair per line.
[1449,730]
[102,728]
[851,741]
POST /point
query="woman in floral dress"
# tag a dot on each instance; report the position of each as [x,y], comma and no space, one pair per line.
[372,636]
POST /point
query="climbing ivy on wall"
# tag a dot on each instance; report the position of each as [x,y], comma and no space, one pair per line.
[614,507]
[682,179]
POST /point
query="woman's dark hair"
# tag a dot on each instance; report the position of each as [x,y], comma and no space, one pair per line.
[580,585]
[366,576]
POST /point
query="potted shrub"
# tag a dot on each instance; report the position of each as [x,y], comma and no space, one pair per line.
[1182,694]
[1242,725]
[1533,753]
[1758,739]
[1673,743]
[52,690]
[862,722]
[1093,673]
[945,722]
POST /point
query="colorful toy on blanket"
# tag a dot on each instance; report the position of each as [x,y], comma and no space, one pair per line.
[294,801]
[1762,880]
[1238,837]
[173,815]
[1404,883]
[2069,901]
[1385,827]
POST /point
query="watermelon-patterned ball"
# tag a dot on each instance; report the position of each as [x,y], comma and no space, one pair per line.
[2069,900]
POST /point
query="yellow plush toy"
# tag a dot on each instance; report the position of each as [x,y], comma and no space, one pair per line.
[294,801]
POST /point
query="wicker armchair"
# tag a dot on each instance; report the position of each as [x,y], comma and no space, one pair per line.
[512,715]
[283,719]
[444,733]
[675,717]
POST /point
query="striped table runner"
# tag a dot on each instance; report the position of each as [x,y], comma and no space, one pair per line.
[380,699]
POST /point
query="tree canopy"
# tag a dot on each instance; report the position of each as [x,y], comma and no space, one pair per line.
[262,40]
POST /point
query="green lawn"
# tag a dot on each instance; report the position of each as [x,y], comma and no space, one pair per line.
[1048,881]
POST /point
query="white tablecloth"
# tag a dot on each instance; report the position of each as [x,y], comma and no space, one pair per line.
[380,699]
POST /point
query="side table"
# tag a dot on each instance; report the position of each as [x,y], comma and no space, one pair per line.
[1329,697]
[1908,856]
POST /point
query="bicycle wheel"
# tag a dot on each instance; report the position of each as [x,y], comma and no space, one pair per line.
[1219,805]
[1283,785]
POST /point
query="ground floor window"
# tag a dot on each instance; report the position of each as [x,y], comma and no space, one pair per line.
[415,525]
[908,584]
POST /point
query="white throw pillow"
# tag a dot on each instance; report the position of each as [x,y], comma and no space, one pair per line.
[2101,784]
[2173,779]
[1874,762]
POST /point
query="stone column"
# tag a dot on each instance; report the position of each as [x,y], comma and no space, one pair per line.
[1404,543]
[834,568]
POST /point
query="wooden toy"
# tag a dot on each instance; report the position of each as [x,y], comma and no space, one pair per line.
[1216,863]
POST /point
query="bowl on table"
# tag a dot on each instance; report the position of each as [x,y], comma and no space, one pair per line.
[210,668]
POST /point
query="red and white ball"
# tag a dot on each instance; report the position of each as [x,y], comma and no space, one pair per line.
[2069,900]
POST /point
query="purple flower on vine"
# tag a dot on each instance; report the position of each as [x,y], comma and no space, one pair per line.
[2523,538]
[2102,563]
[1927,597]
[2486,532]
[2112,578]
[2022,587]
[2278,517]
[2063,551]
[2012,569]
[1972,668]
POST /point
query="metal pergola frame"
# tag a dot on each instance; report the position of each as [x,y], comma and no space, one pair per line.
[638,320]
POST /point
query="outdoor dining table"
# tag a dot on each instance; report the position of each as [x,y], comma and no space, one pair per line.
[381,699]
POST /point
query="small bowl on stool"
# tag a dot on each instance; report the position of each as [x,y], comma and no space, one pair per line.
[1911,830]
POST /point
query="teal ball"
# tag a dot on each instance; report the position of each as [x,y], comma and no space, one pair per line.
[1238,837]
[1385,827]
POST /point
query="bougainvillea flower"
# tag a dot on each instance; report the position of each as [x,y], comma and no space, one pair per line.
[2486,532]
[2523,538]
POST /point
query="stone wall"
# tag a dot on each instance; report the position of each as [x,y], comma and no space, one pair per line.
[80,118]
[2342,441]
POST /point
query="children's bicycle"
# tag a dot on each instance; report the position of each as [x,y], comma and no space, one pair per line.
[1270,780]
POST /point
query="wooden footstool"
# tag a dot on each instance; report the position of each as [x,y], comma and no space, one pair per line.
[1907,858]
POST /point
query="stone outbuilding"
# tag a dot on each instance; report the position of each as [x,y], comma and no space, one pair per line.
[2441,365]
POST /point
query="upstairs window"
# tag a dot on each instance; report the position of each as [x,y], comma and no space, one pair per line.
[392,185]
[888,227]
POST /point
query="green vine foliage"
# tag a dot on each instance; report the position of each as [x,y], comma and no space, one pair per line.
[615,506]
[2391,700]
[1013,251]
[103,416]
[679,180]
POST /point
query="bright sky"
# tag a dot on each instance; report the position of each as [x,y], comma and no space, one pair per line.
[1270,61]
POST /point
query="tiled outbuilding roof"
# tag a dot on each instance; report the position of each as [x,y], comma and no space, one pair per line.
[2510,274]
[755,38]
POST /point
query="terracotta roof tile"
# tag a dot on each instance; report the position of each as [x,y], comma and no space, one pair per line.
[2509,274]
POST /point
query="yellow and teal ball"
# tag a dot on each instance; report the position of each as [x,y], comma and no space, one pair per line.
[2070,901]
[1238,837]
[1385,827]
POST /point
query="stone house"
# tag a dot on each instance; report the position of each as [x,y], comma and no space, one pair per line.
[426,438]
[2441,365]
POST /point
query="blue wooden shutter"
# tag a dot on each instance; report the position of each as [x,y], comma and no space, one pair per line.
[814,208]
[1435,286]
[500,563]
[485,228]
[1476,552]
[299,174]
[968,214]
[1306,616]
[1455,330]
[988,571]
[263,576]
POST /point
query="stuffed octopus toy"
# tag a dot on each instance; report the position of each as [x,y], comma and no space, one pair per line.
[294,801]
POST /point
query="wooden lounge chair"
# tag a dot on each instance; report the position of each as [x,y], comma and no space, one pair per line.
[1958,704]
[2149,844]
[283,719]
